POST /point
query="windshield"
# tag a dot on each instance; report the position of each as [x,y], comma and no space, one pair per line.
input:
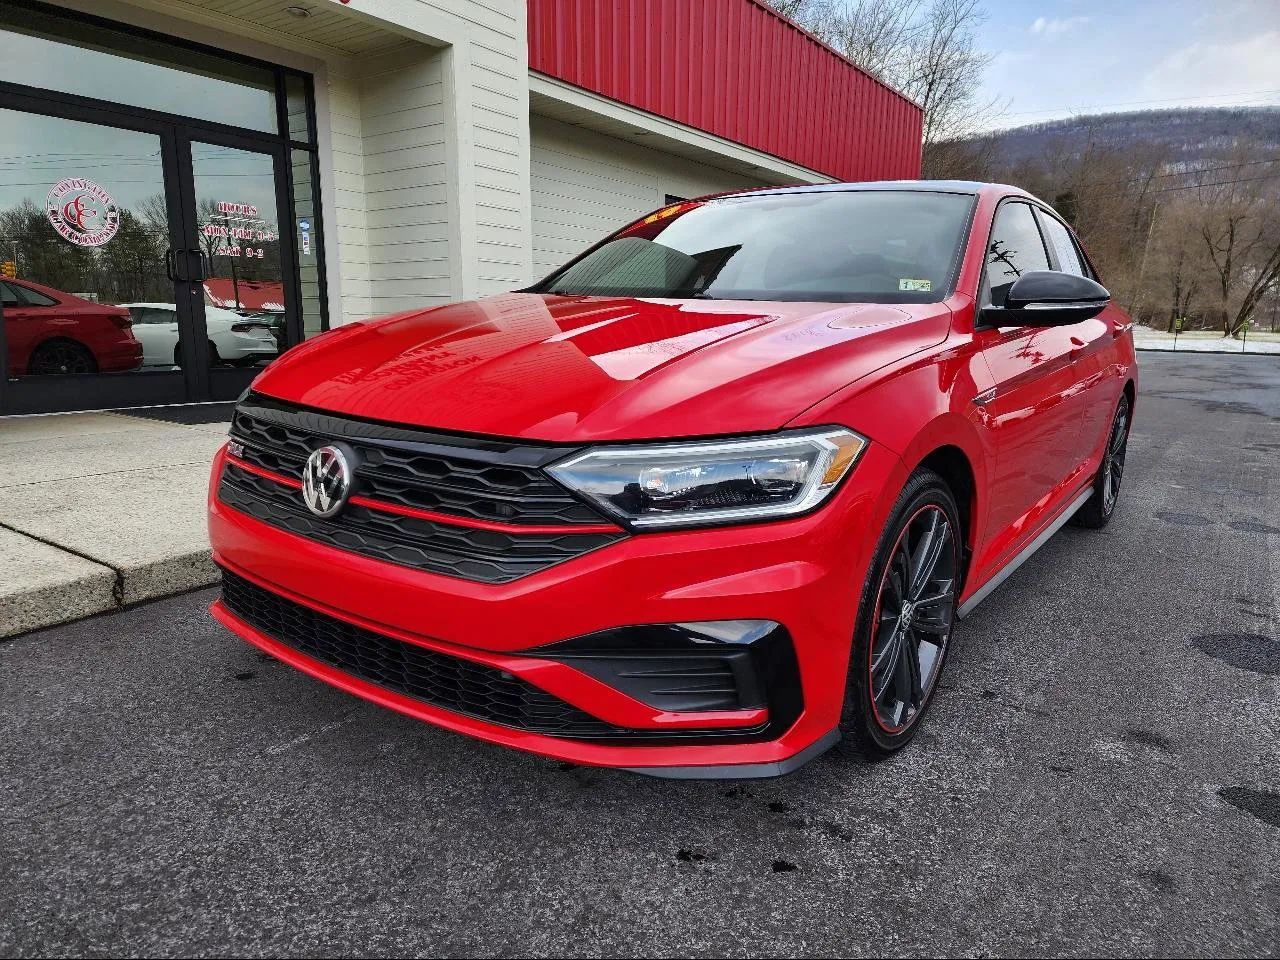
[875,246]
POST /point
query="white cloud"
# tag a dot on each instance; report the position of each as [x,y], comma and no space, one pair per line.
[1244,70]
[1051,26]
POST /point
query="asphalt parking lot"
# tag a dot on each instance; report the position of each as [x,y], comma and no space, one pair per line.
[1100,773]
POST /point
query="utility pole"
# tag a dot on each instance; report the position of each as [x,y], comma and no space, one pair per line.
[1142,266]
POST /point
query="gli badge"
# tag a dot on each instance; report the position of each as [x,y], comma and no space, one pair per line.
[326,481]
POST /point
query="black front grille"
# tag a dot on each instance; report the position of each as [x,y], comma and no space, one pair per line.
[486,556]
[451,683]
[467,478]
[471,477]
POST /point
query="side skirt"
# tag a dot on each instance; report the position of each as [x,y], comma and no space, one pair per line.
[1007,570]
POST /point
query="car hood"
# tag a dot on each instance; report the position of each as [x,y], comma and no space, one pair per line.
[600,368]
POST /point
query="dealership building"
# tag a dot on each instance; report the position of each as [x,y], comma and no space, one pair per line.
[189,186]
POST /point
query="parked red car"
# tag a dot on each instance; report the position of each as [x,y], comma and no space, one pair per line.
[49,331]
[700,501]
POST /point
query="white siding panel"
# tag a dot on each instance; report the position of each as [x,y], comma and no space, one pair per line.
[586,185]
[405,131]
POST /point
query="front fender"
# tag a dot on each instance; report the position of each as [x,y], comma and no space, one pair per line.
[916,408]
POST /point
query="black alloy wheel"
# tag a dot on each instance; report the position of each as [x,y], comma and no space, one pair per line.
[61,356]
[1098,509]
[906,618]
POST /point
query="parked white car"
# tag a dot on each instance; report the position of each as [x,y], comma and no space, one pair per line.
[233,339]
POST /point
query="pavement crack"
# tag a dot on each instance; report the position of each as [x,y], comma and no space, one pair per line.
[117,589]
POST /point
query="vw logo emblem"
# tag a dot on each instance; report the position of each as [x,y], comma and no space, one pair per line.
[326,481]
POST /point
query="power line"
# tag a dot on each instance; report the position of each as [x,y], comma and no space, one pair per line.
[1129,103]
[1199,186]
[1180,173]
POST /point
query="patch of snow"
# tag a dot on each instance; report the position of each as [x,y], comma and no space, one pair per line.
[1144,338]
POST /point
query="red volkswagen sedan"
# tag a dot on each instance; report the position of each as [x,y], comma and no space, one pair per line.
[51,331]
[701,501]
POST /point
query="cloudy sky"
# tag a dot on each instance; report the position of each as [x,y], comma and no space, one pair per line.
[1055,58]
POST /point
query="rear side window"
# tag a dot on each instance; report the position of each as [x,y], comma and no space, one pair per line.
[145,315]
[1063,246]
[37,299]
[1015,248]
[8,296]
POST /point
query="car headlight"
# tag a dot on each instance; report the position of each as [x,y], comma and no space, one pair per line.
[729,481]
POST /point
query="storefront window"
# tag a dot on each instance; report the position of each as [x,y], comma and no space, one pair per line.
[306,226]
[159,215]
[72,56]
[85,226]
[296,103]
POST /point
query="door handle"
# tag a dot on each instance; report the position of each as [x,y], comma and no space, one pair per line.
[206,264]
[1077,346]
[169,265]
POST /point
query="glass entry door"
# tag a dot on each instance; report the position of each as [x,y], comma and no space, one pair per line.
[88,226]
[246,303]
[138,266]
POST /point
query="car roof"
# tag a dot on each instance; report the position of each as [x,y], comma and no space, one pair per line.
[971,187]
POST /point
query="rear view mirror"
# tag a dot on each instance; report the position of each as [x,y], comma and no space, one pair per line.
[1046,298]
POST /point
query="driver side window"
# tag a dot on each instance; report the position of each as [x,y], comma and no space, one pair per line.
[1015,248]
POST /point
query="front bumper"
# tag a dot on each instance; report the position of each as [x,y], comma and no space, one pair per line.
[804,574]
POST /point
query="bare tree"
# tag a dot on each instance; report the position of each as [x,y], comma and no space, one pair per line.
[801,11]
[1238,226]
[927,50]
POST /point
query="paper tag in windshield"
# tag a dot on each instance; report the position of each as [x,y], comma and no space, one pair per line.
[915,286]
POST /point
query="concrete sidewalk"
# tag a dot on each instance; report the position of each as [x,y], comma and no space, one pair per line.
[98,511]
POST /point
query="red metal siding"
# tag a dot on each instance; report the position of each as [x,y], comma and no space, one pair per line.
[736,69]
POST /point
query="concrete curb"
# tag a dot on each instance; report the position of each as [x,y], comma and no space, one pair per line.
[100,511]
[51,585]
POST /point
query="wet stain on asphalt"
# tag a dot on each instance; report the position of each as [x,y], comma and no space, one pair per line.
[835,831]
[784,866]
[1149,739]
[692,856]
[1061,768]
[1247,651]
[1162,880]
[1183,519]
[245,674]
[1248,526]
[1263,804]
[779,806]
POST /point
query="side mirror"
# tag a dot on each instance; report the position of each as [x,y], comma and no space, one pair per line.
[1046,298]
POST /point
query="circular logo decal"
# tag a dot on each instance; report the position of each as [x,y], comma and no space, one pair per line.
[82,212]
[326,481]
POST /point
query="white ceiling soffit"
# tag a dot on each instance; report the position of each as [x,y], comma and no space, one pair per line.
[562,101]
[327,28]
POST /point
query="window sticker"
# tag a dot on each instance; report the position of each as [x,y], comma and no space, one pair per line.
[82,212]
[908,285]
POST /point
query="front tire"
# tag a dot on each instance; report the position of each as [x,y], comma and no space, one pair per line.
[905,619]
[1097,510]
